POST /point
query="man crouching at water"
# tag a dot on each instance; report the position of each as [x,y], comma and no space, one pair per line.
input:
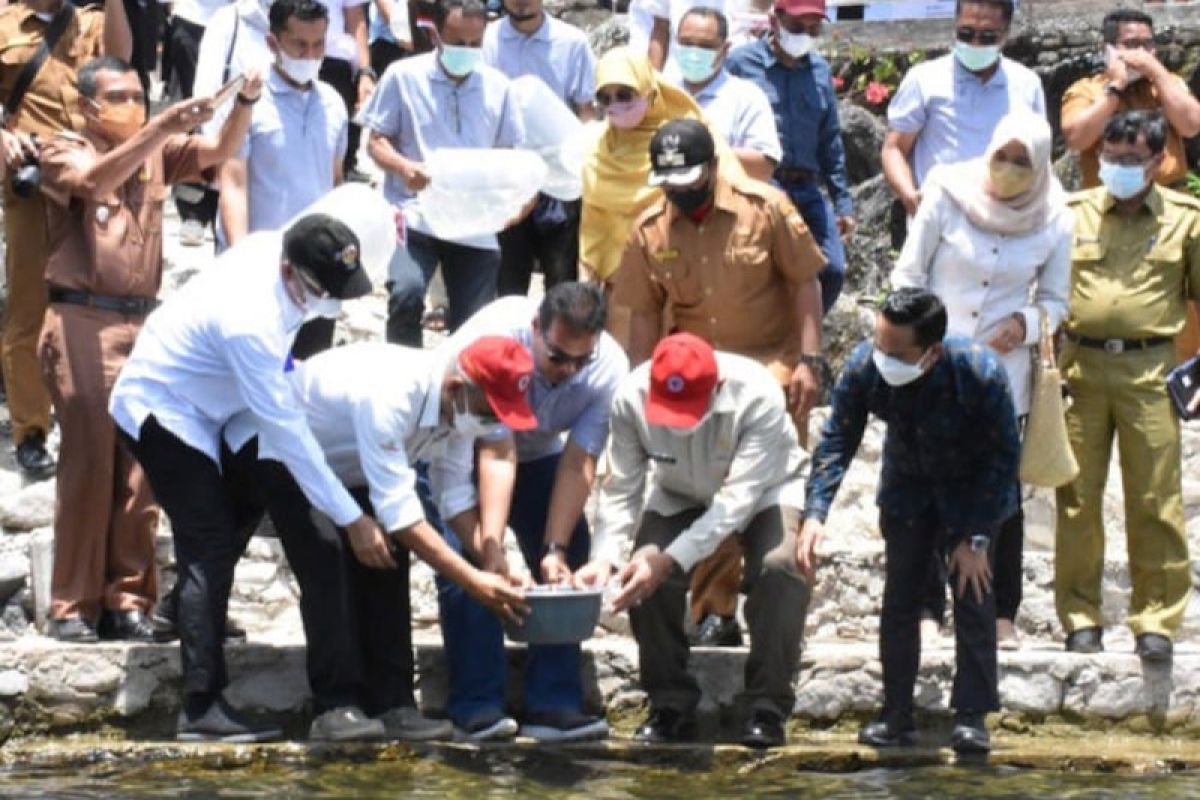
[949,480]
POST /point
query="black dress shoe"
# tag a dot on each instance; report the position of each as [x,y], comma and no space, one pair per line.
[970,734]
[72,629]
[1086,640]
[131,625]
[665,726]
[883,734]
[764,729]
[718,631]
[33,458]
[1154,647]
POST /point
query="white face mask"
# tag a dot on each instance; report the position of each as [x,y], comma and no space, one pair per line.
[44,16]
[1111,55]
[796,45]
[301,70]
[897,372]
[471,425]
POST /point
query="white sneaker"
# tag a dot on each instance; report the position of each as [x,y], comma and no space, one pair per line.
[490,728]
[192,234]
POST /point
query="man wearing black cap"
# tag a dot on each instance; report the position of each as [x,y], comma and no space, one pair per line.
[218,347]
[736,266]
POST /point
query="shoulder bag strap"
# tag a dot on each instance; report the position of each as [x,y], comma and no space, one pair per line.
[57,27]
[237,24]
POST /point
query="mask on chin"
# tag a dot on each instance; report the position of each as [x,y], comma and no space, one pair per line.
[469,424]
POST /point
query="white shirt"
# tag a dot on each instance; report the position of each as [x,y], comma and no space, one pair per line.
[218,346]
[739,109]
[579,405]
[742,459]
[642,13]
[236,35]
[339,43]
[375,410]
[984,278]
[198,12]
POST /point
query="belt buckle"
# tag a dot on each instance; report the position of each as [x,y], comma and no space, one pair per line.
[1114,346]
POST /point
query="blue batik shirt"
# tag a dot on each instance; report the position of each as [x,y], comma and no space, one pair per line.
[952,445]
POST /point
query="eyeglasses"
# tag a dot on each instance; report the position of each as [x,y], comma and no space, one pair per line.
[310,283]
[969,35]
[561,358]
[619,96]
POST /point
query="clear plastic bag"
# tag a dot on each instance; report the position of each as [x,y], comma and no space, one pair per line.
[475,192]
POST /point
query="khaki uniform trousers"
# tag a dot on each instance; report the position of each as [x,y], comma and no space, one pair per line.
[105,518]
[1125,394]
[25,268]
[717,579]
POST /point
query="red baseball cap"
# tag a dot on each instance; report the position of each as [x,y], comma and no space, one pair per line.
[683,374]
[798,7]
[503,368]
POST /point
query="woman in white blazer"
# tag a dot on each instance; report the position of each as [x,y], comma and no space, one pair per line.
[992,238]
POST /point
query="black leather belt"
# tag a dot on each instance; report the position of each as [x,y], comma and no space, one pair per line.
[130,306]
[1119,345]
[793,175]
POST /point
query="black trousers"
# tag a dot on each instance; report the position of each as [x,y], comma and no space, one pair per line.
[548,237]
[357,620]
[1008,568]
[193,200]
[910,549]
[384,54]
[339,74]
[211,517]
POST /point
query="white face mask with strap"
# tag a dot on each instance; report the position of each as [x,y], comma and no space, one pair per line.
[895,372]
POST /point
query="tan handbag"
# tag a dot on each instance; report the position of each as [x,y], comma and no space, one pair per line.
[1046,455]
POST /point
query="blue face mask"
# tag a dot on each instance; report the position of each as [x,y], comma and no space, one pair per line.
[696,64]
[1122,182]
[460,61]
[976,58]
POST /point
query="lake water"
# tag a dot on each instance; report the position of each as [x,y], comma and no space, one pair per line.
[484,775]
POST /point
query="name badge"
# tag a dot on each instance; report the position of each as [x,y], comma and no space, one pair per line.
[667,255]
[662,458]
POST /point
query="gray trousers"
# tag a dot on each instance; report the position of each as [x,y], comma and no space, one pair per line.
[776,607]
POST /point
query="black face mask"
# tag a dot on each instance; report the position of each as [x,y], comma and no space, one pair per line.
[690,200]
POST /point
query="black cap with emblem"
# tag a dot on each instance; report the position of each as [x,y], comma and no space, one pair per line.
[679,151]
[328,250]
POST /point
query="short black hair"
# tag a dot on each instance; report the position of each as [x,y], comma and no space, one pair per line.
[1005,6]
[303,10]
[707,12]
[469,8]
[580,307]
[919,308]
[86,78]
[1110,28]
[1129,125]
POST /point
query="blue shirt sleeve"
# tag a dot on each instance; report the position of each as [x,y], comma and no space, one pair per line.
[383,110]
[831,153]
[842,433]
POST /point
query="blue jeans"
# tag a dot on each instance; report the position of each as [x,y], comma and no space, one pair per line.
[472,634]
[469,272]
[819,216]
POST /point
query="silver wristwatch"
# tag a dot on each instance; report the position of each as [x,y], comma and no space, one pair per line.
[980,543]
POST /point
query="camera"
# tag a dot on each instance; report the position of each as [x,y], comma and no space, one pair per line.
[28,177]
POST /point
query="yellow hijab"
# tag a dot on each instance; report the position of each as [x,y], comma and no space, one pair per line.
[614,176]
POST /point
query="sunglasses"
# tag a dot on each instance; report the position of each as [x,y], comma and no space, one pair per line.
[619,96]
[971,35]
[560,358]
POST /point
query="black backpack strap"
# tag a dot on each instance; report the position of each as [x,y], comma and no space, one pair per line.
[237,24]
[58,26]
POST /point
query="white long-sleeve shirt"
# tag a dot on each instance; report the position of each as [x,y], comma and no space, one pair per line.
[375,410]
[742,459]
[984,277]
[221,345]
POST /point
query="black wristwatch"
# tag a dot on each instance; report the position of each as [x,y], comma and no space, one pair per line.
[246,101]
[814,360]
[980,543]
[372,74]
[554,547]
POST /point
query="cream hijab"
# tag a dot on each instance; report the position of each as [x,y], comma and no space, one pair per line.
[967,183]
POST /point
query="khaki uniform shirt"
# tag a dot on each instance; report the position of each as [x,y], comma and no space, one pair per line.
[1131,276]
[52,100]
[110,245]
[1140,96]
[729,279]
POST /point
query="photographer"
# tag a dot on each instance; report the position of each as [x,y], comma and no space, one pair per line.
[42,45]
[104,194]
